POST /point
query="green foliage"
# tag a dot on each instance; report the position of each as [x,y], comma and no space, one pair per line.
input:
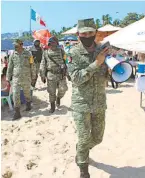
[98,23]
[130,18]
[107,19]
[26,37]
[116,22]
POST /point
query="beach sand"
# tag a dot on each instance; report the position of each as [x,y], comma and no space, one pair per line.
[42,145]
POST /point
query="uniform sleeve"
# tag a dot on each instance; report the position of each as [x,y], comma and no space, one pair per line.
[10,69]
[32,66]
[43,65]
[78,75]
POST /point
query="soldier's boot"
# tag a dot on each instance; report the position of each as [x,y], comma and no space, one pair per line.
[52,109]
[17,114]
[57,102]
[84,171]
[28,106]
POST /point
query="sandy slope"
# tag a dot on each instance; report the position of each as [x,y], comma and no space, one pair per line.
[43,146]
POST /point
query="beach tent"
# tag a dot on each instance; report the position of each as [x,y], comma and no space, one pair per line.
[101,34]
[131,37]
[71,31]
[106,31]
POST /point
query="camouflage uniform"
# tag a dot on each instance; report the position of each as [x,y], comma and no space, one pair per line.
[37,55]
[21,72]
[50,70]
[88,97]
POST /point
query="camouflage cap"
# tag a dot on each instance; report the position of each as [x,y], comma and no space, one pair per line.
[18,41]
[86,25]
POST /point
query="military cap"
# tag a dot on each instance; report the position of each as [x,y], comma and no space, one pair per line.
[86,25]
[18,41]
[53,39]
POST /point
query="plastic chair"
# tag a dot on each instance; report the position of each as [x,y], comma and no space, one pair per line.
[8,98]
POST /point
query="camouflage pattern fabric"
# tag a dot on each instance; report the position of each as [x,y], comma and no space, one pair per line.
[53,85]
[88,99]
[37,68]
[22,71]
[86,25]
[90,131]
[50,70]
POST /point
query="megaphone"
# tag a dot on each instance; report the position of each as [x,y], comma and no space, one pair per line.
[120,71]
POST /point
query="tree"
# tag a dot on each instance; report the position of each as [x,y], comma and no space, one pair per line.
[98,23]
[131,18]
[116,22]
[53,32]
[106,19]
[140,16]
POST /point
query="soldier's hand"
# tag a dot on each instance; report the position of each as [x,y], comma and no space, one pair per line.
[101,57]
[43,79]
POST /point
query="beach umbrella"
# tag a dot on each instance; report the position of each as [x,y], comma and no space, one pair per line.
[42,35]
[131,37]
[69,38]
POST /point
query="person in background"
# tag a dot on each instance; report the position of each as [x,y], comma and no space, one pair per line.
[36,51]
[22,72]
[52,60]
[5,86]
[6,61]
[67,48]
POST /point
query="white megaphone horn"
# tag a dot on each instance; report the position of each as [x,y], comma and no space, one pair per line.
[120,71]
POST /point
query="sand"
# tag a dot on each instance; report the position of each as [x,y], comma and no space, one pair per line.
[42,145]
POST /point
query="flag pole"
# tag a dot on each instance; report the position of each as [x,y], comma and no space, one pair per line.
[30,20]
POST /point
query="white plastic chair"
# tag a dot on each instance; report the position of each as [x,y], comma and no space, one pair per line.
[8,98]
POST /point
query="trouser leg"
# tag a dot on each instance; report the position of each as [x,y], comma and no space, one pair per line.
[62,88]
[51,88]
[97,127]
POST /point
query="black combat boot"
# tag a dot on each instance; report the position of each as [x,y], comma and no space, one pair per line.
[58,102]
[17,114]
[28,106]
[52,109]
[84,171]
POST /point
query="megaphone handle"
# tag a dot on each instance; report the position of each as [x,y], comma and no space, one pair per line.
[113,83]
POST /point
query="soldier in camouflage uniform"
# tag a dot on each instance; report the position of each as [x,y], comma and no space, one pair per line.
[88,74]
[36,51]
[49,68]
[22,72]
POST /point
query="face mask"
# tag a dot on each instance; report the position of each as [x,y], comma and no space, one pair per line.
[87,41]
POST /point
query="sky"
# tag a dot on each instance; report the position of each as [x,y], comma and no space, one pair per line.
[15,15]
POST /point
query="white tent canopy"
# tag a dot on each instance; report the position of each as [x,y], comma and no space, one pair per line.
[131,37]
[108,28]
[71,31]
